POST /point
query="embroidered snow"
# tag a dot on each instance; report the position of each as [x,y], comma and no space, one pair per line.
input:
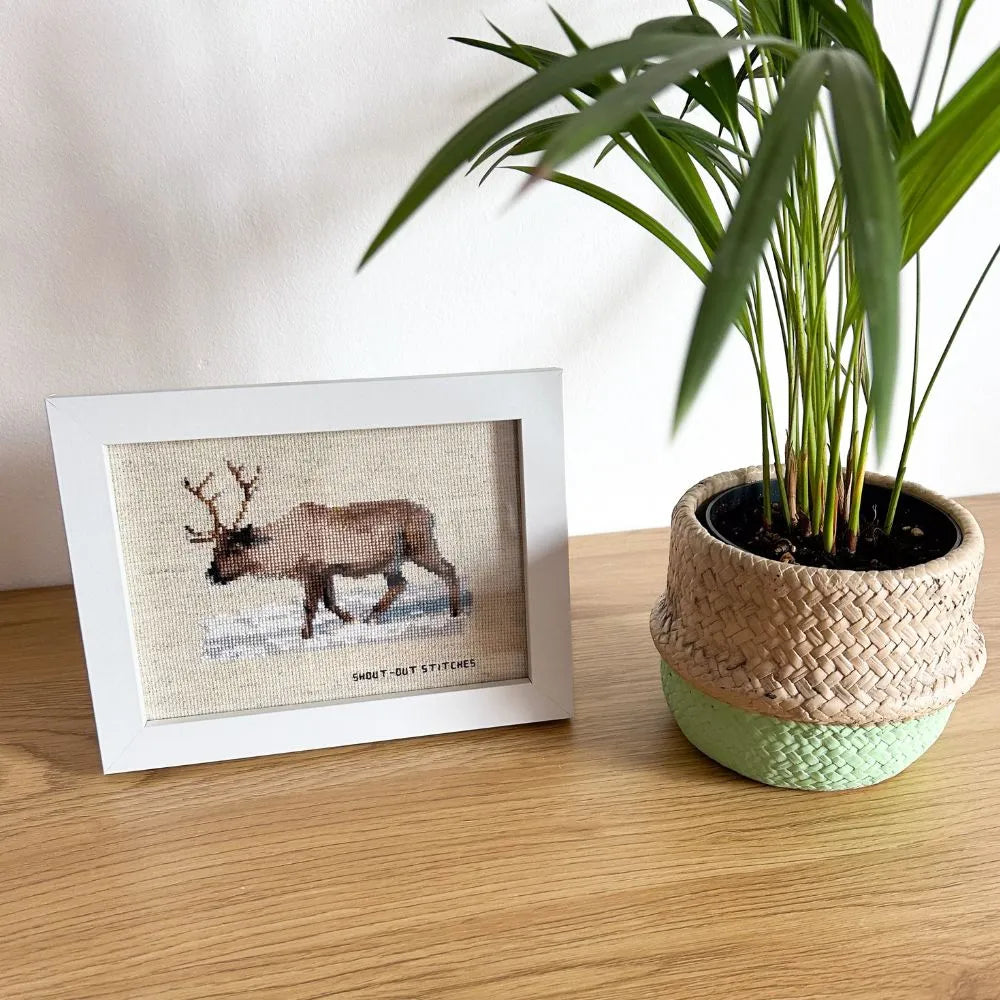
[420,613]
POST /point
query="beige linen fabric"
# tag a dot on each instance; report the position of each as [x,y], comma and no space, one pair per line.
[204,648]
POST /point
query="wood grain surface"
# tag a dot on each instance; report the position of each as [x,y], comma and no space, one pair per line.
[599,858]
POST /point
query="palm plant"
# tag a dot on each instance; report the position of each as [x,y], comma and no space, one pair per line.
[794,127]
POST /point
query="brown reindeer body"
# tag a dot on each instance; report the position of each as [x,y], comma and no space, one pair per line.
[313,543]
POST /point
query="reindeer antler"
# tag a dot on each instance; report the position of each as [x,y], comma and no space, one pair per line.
[210,502]
[249,487]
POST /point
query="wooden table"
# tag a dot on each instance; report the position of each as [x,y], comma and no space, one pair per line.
[602,858]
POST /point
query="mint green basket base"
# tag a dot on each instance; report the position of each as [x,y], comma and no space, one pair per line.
[797,754]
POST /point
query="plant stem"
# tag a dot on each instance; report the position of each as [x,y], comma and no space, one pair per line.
[765,465]
[926,57]
[944,71]
[954,333]
[767,407]
[861,459]
[916,411]
[911,424]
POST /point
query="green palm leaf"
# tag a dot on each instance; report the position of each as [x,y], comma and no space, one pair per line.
[630,211]
[539,130]
[943,162]
[873,217]
[525,55]
[853,28]
[613,110]
[961,13]
[720,92]
[574,39]
[768,13]
[549,82]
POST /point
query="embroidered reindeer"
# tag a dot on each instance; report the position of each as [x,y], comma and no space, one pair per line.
[313,544]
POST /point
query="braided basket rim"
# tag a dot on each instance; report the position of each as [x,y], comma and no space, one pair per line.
[967,550]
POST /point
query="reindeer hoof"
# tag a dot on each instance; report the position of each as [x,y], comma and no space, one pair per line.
[347,618]
[307,633]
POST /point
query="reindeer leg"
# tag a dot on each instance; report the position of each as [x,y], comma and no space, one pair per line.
[397,584]
[314,591]
[435,563]
[330,600]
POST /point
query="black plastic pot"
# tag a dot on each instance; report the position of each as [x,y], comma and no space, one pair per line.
[937,526]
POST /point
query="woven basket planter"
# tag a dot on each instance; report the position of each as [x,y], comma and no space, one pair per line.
[814,678]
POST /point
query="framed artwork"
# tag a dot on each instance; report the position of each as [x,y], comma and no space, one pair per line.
[282,567]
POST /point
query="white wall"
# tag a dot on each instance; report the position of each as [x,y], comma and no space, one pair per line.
[186,187]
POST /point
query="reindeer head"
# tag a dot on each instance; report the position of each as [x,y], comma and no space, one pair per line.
[233,555]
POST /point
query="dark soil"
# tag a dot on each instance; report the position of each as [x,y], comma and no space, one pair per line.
[921,532]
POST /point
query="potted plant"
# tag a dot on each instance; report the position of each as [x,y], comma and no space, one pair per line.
[816,628]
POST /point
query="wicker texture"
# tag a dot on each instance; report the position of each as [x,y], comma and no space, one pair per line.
[816,645]
[797,754]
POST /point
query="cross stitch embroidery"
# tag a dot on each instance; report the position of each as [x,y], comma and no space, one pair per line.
[324,566]
[313,543]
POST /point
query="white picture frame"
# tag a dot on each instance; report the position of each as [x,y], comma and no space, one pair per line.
[82,428]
